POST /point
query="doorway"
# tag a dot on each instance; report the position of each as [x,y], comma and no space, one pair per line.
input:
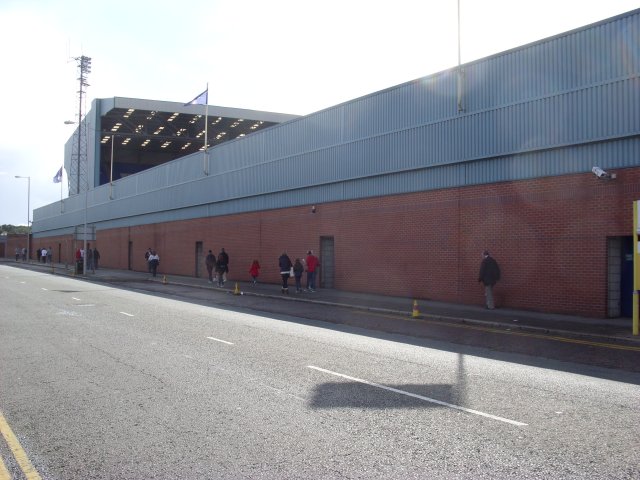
[619,277]
[327,262]
[199,259]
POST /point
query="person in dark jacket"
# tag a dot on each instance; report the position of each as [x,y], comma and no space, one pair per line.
[222,267]
[285,271]
[298,270]
[210,261]
[489,276]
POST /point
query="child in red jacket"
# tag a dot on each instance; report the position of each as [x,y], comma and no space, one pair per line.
[254,271]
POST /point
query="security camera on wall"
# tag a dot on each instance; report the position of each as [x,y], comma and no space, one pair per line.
[600,173]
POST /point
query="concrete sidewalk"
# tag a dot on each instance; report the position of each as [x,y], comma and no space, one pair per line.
[613,329]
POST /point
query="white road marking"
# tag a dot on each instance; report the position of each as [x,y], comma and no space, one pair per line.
[127,314]
[218,340]
[76,299]
[420,397]
[85,305]
[45,289]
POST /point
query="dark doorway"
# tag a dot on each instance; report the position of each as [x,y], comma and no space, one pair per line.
[327,262]
[199,259]
[626,278]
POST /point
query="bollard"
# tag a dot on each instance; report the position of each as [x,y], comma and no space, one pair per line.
[415,313]
[164,279]
[236,291]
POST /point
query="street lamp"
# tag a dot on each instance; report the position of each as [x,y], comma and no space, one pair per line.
[28,214]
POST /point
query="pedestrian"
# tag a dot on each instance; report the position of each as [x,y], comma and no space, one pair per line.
[43,255]
[254,271]
[24,254]
[489,276]
[147,254]
[96,258]
[89,257]
[312,265]
[154,261]
[222,267]
[210,262]
[285,265]
[17,254]
[298,270]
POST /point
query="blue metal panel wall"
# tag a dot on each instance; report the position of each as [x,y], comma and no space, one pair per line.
[555,107]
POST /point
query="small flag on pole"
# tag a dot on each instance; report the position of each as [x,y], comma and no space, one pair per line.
[58,177]
[201,99]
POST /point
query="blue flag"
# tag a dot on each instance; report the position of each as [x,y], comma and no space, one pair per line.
[201,99]
[58,177]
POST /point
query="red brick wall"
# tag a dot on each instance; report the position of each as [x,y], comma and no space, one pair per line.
[548,235]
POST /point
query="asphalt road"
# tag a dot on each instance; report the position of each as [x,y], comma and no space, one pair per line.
[99,382]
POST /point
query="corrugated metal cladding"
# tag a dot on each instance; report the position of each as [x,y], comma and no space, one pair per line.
[554,107]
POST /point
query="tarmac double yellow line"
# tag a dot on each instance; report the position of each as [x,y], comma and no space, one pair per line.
[505,331]
[19,454]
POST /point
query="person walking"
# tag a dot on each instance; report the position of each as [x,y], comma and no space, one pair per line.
[284,262]
[210,261]
[89,257]
[222,267]
[96,258]
[254,271]
[154,261]
[312,266]
[147,254]
[489,276]
[298,270]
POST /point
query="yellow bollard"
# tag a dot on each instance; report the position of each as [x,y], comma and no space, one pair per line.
[236,291]
[415,312]
[164,279]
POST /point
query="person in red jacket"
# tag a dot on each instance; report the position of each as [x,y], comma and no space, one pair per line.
[312,266]
[254,271]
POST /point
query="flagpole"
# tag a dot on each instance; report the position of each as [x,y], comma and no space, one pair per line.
[111,171]
[206,132]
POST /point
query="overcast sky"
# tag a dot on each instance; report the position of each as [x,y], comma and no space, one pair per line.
[289,56]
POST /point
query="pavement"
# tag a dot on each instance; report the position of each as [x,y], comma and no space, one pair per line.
[605,329]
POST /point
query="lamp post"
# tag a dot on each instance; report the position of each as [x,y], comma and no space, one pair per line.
[28,214]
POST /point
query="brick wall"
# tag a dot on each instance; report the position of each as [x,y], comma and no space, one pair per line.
[548,235]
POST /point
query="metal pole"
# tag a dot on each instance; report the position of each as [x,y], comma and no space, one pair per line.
[28,215]
[84,257]
[636,270]
[111,174]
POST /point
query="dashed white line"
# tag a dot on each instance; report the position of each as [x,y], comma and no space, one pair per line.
[127,314]
[420,397]
[76,299]
[218,340]
[45,289]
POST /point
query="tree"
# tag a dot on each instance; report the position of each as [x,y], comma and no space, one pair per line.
[15,229]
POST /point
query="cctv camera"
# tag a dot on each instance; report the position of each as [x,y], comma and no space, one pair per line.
[600,173]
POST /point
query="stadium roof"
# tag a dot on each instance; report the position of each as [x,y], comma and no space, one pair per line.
[177,129]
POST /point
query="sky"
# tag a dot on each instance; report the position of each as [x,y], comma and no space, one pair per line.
[287,56]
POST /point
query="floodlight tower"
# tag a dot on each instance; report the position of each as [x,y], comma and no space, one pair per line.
[79,145]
